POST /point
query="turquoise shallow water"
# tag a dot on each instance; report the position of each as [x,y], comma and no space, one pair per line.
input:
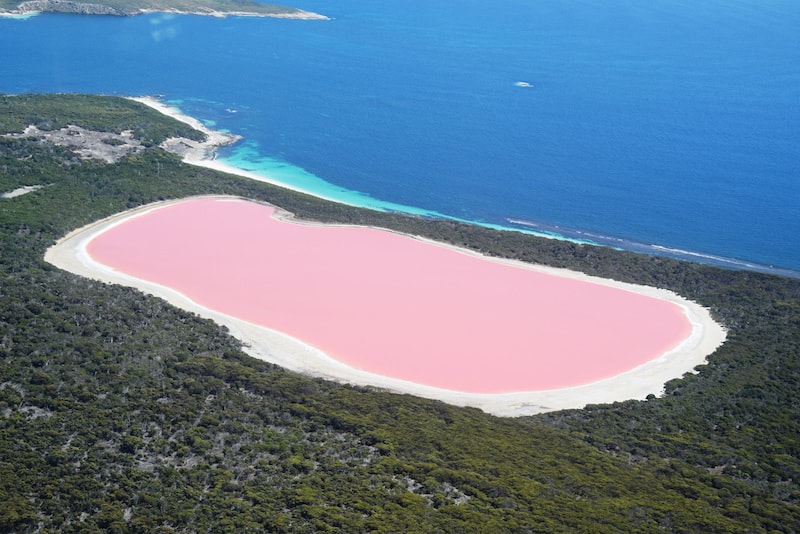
[668,128]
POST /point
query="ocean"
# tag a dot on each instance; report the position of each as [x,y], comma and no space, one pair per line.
[667,127]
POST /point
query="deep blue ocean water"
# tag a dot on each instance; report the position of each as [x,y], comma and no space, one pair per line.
[663,126]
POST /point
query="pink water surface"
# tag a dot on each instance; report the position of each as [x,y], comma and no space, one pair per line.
[391,304]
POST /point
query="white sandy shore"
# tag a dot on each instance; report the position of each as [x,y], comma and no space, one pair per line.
[70,254]
[202,154]
[20,16]
[193,152]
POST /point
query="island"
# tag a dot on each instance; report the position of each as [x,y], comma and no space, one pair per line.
[216,8]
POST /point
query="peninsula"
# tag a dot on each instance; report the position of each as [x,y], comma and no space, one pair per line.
[216,8]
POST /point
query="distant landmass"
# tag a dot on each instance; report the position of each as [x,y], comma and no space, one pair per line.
[217,8]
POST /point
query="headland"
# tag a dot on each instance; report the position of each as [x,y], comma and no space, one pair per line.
[215,8]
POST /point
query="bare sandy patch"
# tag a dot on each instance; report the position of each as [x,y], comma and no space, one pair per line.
[87,144]
[21,191]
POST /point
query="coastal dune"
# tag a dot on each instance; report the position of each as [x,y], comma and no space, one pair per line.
[376,308]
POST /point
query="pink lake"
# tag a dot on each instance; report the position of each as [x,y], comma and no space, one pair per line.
[391,304]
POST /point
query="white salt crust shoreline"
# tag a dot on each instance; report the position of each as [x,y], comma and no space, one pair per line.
[70,254]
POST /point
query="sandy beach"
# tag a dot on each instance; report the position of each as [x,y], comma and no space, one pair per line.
[202,154]
[72,254]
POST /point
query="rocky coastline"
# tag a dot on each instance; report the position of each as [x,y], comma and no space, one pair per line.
[67,6]
[87,8]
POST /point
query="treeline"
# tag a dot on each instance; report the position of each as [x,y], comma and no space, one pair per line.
[120,413]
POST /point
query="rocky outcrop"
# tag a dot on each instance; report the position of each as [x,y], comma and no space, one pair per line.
[67,6]
[87,144]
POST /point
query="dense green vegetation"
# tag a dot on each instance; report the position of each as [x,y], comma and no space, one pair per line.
[132,7]
[94,113]
[120,413]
